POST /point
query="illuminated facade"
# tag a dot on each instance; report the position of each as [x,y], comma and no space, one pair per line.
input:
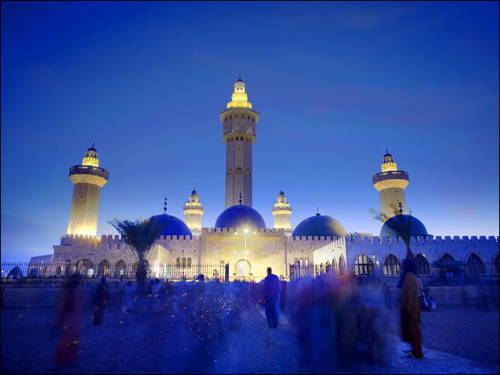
[88,179]
[241,238]
[239,123]
[391,185]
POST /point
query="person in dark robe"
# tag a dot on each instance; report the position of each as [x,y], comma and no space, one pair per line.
[271,296]
[410,309]
[68,321]
[101,298]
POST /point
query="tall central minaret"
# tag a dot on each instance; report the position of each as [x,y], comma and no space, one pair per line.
[239,123]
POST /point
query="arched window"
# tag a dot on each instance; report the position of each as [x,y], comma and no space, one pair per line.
[178,263]
[447,258]
[183,262]
[334,267]
[421,265]
[306,262]
[103,268]
[328,267]
[363,266]
[391,266]
[474,265]
[341,266]
[301,261]
[120,268]
[85,268]
[189,262]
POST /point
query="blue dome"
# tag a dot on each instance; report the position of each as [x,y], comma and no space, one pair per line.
[240,216]
[319,225]
[172,226]
[400,224]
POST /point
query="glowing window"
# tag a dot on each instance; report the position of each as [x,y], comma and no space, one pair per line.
[363,265]
[391,266]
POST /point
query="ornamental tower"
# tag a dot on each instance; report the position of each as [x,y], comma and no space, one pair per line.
[391,185]
[88,179]
[282,212]
[193,210]
[238,133]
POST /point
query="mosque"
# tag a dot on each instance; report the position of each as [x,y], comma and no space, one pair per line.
[240,245]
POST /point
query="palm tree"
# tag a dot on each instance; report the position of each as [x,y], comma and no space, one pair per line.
[140,236]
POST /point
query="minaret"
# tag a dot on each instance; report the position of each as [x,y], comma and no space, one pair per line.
[282,212]
[239,122]
[88,179]
[391,185]
[193,210]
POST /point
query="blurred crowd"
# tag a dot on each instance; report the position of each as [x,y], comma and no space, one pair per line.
[336,328]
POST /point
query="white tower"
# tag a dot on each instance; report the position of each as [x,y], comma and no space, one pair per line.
[88,179]
[391,185]
[239,132]
[282,212]
[193,211]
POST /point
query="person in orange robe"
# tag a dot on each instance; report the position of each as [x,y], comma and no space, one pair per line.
[410,309]
[69,321]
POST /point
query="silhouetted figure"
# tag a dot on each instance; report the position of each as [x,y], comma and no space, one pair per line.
[410,309]
[271,296]
[128,297]
[68,320]
[2,297]
[101,298]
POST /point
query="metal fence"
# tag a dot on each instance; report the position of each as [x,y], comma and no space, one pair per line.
[58,270]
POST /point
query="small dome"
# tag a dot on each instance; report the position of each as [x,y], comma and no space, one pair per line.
[240,216]
[401,224]
[172,226]
[193,192]
[319,225]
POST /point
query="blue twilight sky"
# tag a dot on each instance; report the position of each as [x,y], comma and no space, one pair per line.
[335,84]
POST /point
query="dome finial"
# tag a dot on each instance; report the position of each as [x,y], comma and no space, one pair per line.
[240,198]
[165,205]
[386,150]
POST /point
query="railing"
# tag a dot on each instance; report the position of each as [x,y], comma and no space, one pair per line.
[55,270]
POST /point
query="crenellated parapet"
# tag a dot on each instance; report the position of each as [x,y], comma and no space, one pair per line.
[432,248]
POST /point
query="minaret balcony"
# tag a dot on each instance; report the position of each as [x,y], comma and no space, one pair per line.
[384,180]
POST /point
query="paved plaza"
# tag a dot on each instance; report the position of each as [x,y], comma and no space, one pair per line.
[456,340]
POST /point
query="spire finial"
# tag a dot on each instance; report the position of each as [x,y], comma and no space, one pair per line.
[165,205]
[386,150]
[240,198]
[317,211]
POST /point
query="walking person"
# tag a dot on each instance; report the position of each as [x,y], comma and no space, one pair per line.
[68,321]
[271,296]
[101,298]
[128,297]
[410,309]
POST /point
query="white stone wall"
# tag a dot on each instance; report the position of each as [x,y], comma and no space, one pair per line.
[432,248]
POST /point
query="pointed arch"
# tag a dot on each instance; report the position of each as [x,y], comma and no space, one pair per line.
[391,265]
[120,268]
[342,267]
[474,265]
[447,258]
[103,268]
[422,265]
[334,267]
[363,265]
